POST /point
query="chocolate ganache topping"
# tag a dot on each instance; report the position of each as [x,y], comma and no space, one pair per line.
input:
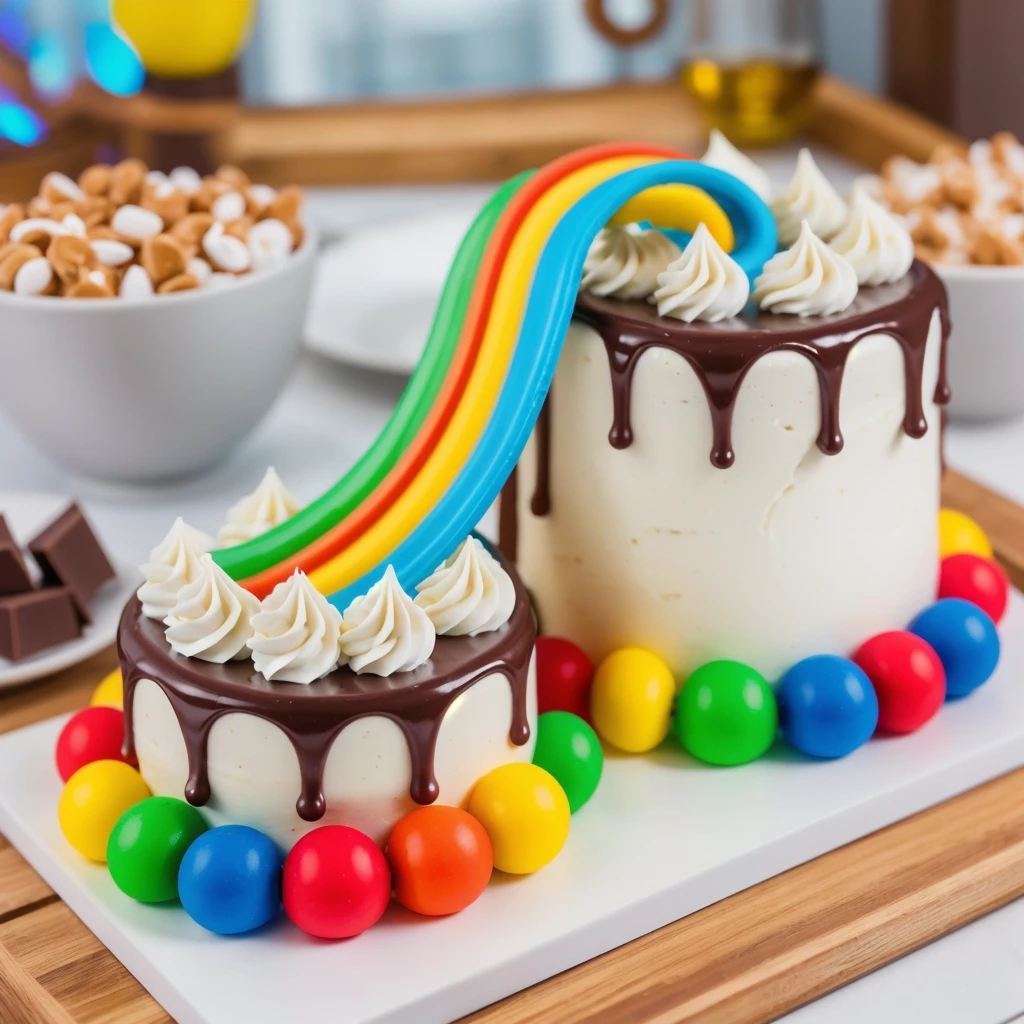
[313,716]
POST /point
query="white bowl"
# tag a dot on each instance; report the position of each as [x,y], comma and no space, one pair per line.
[986,349]
[147,390]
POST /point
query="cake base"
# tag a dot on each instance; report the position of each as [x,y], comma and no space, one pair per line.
[662,838]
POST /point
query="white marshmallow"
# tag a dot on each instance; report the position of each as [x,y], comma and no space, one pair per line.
[136,283]
[112,253]
[33,277]
[135,222]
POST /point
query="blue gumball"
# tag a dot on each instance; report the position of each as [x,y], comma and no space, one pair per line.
[230,880]
[827,706]
[964,638]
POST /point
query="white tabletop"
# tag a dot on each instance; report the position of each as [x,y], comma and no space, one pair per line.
[328,414]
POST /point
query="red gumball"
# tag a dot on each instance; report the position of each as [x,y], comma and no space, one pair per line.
[94,734]
[336,882]
[564,675]
[908,678]
[978,580]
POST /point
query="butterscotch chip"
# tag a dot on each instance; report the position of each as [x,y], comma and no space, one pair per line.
[126,180]
[1003,144]
[97,231]
[165,199]
[948,152]
[94,209]
[70,256]
[929,232]
[298,232]
[59,188]
[13,260]
[234,176]
[257,199]
[93,285]
[11,215]
[38,207]
[286,204]
[162,257]
[95,180]
[208,193]
[960,186]
[992,248]
[239,228]
[180,283]
[191,228]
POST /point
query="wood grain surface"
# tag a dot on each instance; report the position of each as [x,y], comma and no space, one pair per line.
[744,960]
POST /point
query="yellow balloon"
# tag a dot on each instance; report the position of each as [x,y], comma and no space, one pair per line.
[110,692]
[525,812]
[185,38]
[631,699]
[93,800]
[960,534]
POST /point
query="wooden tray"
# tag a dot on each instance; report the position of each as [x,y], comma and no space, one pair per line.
[748,958]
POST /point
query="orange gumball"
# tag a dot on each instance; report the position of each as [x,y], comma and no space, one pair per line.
[441,860]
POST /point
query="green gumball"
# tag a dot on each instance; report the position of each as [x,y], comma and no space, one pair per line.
[726,713]
[147,844]
[569,749]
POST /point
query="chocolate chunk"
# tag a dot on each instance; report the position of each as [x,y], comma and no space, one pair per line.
[70,556]
[14,577]
[33,621]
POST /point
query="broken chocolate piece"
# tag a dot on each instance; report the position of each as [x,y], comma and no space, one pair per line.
[70,556]
[14,576]
[33,621]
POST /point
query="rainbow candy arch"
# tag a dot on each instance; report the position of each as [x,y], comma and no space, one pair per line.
[469,409]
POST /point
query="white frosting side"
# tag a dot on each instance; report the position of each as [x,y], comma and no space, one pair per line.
[705,283]
[877,246]
[172,564]
[721,153]
[212,617]
[808,279]
[268,506]
[624,262]
[385,632]
[468,593]
[296,633]
[808,197]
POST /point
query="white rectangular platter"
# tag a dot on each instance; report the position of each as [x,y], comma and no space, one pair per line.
[663,837]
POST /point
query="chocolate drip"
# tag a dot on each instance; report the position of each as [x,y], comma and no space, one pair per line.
[722,354]
[312,716]
[508,517]
[540,503]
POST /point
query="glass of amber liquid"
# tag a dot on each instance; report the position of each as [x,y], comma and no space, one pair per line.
[751,65]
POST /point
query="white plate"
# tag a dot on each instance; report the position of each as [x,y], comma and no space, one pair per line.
[662,837]
[375,293]
[26,514]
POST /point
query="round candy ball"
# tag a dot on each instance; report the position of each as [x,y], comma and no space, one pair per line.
[964,638]
[229,880]
[631,700]
[440,858]
[978,580]
[960,534]
[726,713]
[570,751]
[525,813]
[93,800]
[336,882]
[564,675]
[93,734]
[909,680]
[110,692]
[147,845]
[827,706]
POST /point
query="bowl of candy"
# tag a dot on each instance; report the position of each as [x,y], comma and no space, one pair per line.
[150,320]
[965,212]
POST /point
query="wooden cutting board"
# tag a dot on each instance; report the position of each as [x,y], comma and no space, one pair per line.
[744,960]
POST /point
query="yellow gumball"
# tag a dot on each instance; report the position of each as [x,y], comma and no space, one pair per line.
[109,693]
[525,813]
[631,699]
[960,535]
[92,801]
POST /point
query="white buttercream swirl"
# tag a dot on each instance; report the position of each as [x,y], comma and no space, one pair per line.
[705,283]
[268,506]
[212,617]
[385,632]
[468,593]
[624,262]
[721,153]
[808,279]
[172,564]
[873,242]
[808,197]
[296,633]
